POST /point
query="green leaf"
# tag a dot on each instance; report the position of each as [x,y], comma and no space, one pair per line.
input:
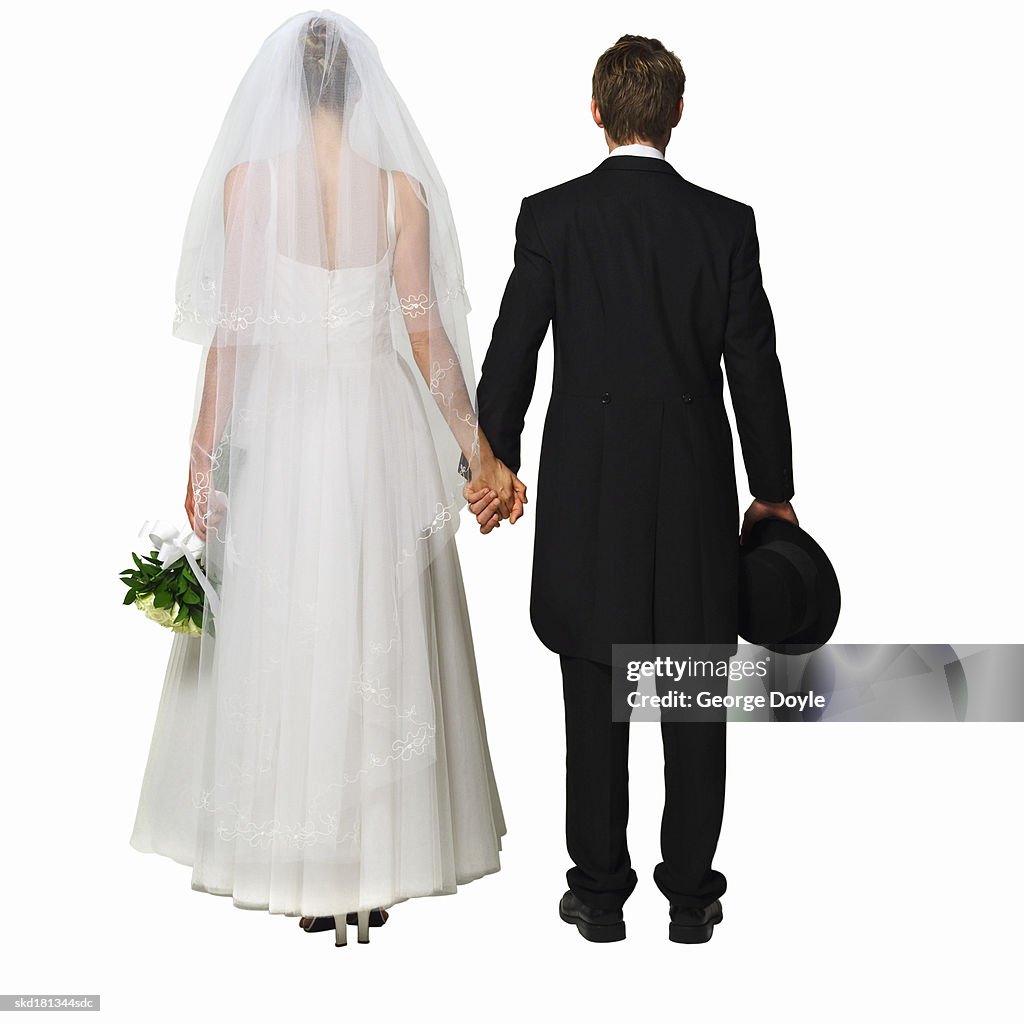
[191,596]
[183,613]
[163,599]
[196,614]
[129,598]
[136,560]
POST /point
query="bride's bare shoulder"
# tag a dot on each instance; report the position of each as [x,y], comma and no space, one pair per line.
[410,200]
[407,184]
[247,185]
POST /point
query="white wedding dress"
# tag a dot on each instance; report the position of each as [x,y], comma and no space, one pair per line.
[325,751]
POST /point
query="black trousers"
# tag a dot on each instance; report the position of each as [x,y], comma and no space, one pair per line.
[597,798]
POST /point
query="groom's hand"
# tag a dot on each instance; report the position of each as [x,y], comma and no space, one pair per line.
[495,493]
[519,499]
[761,510]
[491,473]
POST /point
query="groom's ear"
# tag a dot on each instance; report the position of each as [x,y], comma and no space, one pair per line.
[595,113]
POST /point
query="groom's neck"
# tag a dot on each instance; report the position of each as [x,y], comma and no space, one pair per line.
[659,144]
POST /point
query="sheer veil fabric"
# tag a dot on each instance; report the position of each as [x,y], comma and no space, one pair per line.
[321,747]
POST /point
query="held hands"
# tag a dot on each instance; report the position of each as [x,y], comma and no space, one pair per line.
[495,493]
[761,510]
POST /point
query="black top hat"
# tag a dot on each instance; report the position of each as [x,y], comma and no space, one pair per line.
[789,592]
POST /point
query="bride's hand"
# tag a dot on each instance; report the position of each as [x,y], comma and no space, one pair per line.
[495,493]
[212,505]
[484,505]
[197,524]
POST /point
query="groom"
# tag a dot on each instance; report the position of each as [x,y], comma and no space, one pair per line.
[650,282]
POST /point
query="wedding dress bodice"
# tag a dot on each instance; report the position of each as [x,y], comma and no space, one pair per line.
[352,332]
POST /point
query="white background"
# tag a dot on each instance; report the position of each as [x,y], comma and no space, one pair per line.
[873,870]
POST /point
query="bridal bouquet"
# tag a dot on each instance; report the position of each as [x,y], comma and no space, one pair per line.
[164,583]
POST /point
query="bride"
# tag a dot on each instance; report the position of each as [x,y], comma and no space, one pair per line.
[320,750]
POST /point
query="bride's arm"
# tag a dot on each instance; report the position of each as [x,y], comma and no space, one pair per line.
[438,362]
[218,382]
[432,350]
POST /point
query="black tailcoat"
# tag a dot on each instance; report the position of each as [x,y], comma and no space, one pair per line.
[650,282]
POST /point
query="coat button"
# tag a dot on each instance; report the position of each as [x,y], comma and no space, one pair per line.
[687,398]
[605,398]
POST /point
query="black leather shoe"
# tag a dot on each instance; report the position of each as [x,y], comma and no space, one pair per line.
[593,924]
[692,925]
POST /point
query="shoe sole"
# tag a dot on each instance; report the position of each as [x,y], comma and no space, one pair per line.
[595,932]
[693,933]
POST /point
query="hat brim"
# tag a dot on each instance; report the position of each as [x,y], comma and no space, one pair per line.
[815,633]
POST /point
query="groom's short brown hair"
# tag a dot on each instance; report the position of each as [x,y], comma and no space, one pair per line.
[637,85]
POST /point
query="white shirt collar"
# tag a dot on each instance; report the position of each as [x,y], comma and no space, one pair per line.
[637,149]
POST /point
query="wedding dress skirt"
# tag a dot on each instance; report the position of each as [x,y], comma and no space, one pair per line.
[323,749]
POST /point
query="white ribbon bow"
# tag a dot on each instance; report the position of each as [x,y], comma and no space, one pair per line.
[171,544]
